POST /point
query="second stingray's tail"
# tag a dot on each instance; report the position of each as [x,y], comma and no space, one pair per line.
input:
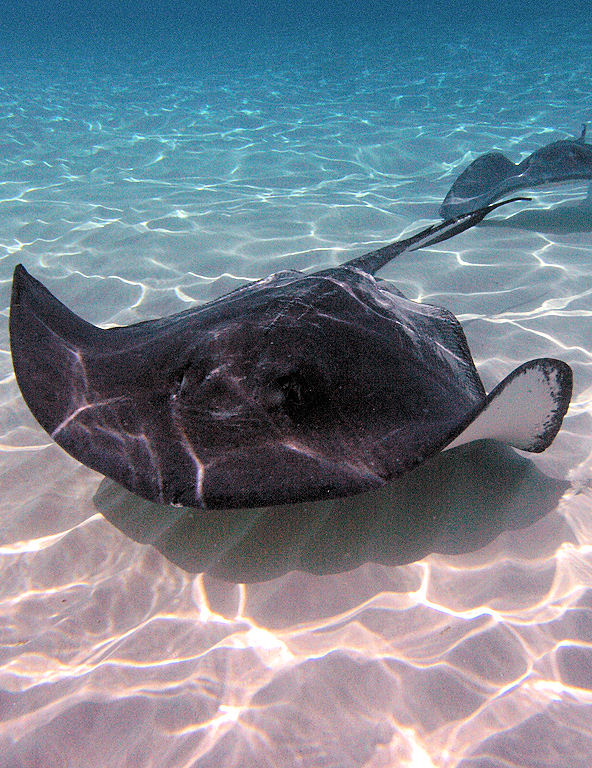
[375,260]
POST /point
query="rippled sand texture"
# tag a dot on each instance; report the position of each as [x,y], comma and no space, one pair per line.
[447,622]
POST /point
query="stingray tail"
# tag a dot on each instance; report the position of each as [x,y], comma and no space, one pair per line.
[375,260]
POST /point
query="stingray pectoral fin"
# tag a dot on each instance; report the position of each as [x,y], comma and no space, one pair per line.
[45,340]
[90,389]
[31,301]
[482,182]
[526,409]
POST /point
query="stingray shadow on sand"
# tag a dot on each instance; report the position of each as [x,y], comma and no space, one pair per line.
[457,502]
[560,219]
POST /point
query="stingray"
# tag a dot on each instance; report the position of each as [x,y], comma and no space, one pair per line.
[492,175]
[296,387]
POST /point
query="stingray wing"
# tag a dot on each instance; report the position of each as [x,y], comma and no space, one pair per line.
[486,179]
[77,379]
[524,410]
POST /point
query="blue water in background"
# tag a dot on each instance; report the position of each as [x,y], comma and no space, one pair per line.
[36,28]
[157,154]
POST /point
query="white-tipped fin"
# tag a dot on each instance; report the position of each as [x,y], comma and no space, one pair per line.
[526,409]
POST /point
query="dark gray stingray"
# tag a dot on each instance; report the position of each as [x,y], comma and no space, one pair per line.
[492,175]
[293,388]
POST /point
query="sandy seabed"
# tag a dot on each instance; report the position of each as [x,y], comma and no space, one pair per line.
[444,622]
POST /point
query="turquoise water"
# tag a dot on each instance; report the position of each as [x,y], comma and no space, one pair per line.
[444,622]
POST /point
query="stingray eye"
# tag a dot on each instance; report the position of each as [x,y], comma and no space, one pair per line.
[302,394]
[190,375]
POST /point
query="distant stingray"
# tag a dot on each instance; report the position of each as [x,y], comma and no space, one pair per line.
[492,176]
[297,387]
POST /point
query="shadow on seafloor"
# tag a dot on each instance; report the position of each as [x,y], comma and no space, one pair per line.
[457,502]
[559,219]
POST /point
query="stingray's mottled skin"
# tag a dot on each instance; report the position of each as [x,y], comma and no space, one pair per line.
[295,387]
[492,176]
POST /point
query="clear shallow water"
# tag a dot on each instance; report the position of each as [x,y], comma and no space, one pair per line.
[444,622]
